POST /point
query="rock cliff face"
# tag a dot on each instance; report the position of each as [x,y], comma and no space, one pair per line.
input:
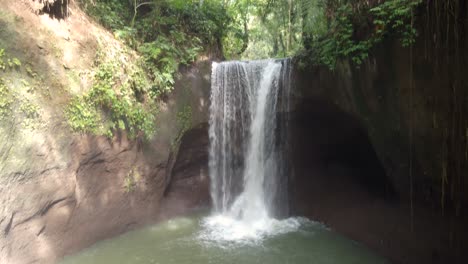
[84,190]
[414,116]
[60,191]
[364,142]
[189,186]
[399,120]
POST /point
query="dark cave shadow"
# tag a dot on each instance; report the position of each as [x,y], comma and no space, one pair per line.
[336,146]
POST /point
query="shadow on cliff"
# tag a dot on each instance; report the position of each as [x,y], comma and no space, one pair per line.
[102,189]
[331,146]
[188,186]
[339,180]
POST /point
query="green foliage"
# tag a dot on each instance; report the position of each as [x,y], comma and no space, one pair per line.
[321,31]
[109,13]
[29,110]
[30,72]
[184,119]
[163,57]
[129,184]
[8,63]
[12,104]
[112,105]
[236,38]
[352,31]
[273,28]
[131,180]
[82,116]
[173,32]
[30,113]
[207,21]
[183,31]
[2,63]
[396,16]
[14,63]
[341,43]
[6,99]
[167,33]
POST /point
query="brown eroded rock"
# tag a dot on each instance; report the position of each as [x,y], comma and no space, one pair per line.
[59,191]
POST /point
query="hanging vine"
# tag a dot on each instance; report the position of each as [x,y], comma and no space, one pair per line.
[445,22]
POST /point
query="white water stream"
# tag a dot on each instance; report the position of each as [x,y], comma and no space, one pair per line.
[249,189]
[248,181]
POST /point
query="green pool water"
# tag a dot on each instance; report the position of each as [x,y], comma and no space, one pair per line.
[200,239]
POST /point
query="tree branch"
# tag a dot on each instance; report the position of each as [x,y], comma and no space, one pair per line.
[145,3]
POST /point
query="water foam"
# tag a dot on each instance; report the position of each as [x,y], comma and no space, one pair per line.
[225,230]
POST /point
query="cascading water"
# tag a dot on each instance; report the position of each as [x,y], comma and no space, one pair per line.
[248,176]
[248,134]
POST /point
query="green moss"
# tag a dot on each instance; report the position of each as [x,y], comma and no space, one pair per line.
[30,72]
[6,100]
[30,114]
[8,63]
[82,116]
[184,119]
[13,104]
[131,180]
[114,102]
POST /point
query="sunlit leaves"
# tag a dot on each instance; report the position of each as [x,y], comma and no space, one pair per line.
[354,27]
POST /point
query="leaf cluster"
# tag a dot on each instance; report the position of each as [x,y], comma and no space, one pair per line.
[6,99]
[167,34]
[8,63]
[112,104]
[354,27]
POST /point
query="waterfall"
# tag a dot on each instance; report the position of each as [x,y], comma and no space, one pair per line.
[248,132]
